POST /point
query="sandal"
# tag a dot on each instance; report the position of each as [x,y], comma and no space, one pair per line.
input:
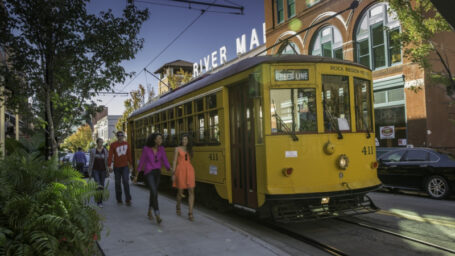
[190,216]
[178,211]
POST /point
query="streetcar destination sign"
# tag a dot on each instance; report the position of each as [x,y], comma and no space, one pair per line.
[291,75]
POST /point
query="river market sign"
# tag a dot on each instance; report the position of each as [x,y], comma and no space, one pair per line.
[219,58]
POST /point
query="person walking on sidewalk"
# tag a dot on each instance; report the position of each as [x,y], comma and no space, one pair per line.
[183,174]
[120,155]
[79,160]
[152,159]
[98,168]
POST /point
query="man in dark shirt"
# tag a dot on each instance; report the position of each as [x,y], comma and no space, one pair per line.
[79,160]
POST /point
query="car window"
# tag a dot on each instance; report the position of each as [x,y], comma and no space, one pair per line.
[416,155]
[393,156]
[434,157]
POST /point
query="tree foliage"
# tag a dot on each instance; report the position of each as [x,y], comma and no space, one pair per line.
[64,55]
[181,77]
[136,101]
[44,209]
[81,138]
[420,22]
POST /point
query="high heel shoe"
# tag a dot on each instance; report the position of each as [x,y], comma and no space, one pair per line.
[190,216]
[178,211]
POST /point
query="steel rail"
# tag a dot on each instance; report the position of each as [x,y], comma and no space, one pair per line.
[397,235]
[326,248]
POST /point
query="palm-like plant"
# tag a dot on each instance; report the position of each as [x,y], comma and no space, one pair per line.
[44,208]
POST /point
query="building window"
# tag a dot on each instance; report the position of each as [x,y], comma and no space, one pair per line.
[291,8]
[310,3]
[328,42]
[289,48]
[279,11]
[376,38]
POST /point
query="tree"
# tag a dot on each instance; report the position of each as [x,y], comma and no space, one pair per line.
[63,55]
[81,138]
[421,22]
[181,77]
[134,103]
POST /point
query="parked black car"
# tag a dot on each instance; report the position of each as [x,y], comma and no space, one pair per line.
[418,169]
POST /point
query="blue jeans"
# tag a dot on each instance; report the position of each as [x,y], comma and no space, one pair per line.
[99,177]
[122,173]
[152,179]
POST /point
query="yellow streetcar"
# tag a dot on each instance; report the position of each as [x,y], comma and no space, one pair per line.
[284,136]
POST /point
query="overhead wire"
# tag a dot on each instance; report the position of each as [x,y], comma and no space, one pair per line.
[186,7]
[162,51]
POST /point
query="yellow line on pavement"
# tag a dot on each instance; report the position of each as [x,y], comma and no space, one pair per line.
[447,223]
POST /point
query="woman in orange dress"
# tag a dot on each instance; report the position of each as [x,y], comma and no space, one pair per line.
[183,174]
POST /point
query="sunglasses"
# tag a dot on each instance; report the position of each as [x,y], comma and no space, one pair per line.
[120,135]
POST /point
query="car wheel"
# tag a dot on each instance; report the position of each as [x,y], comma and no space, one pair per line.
[437,187]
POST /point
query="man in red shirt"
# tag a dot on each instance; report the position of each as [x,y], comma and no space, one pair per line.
[120,153]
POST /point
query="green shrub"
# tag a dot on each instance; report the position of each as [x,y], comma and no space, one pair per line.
[44,208]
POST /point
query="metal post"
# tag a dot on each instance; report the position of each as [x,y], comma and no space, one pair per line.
[17,125]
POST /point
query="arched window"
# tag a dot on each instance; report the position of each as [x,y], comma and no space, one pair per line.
[375,44]
[289,48]
[327,42]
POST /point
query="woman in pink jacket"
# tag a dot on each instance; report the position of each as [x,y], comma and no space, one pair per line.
[152,159]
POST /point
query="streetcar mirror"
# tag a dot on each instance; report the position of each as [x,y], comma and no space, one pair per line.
[254,85]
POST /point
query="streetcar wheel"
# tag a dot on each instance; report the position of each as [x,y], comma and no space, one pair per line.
[437,187]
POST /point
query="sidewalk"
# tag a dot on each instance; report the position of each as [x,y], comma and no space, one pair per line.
[128,231]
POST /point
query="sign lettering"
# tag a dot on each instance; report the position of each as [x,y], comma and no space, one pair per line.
[291,75]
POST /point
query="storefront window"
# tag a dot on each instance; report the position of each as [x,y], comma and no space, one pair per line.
[337,115]
[293,110]
[363,106]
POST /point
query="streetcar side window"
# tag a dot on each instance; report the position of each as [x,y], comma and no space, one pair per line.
[335,101]
[214,129]
[211,101]
[293,110]
[363,107]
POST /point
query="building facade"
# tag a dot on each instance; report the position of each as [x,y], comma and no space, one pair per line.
[409,108]
[104,125]
[172,69]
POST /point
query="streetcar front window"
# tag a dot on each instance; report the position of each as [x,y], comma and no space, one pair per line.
[363,107]
[335,101]
[293,110]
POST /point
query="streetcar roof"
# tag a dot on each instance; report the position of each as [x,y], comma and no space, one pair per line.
[210,78]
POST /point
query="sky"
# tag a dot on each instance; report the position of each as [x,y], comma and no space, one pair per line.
[208,34]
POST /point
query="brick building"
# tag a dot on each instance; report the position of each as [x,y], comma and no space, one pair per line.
[404,97]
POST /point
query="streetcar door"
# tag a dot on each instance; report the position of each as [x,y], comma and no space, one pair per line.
[243,157]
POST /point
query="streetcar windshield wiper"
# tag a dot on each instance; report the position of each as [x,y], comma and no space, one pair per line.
[327,112]
[364,122]
[283,124]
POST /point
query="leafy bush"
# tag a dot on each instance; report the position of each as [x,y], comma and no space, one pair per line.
[44,208]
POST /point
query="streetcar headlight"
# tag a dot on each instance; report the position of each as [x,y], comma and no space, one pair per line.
[343,162]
